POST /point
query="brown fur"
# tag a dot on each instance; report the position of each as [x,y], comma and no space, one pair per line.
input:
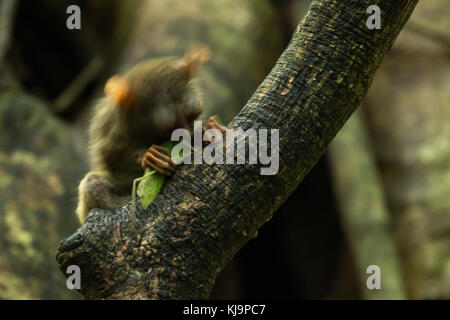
[164,98]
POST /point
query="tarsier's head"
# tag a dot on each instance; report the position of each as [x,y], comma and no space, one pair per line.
[160,92]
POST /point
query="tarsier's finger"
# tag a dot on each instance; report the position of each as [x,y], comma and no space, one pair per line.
[219,127]
[215,124]
[161,149]
[212,123]
[162,156]
[216,137]
[150,157]
[158,168]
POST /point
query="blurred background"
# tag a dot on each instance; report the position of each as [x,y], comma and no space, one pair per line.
[379,196]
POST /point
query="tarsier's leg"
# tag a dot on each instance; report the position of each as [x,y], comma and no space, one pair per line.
[97,191]
[158,157]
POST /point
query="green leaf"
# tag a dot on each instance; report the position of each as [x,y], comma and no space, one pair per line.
[151,182]
[149,187]
[169,145]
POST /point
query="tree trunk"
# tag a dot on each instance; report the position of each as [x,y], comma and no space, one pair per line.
[208,212]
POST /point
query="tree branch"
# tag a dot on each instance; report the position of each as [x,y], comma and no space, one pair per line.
[208,212]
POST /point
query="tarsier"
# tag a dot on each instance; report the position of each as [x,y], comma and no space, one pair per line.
[138,113]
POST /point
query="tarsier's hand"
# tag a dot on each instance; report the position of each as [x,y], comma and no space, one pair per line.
[213,123]
[158,158]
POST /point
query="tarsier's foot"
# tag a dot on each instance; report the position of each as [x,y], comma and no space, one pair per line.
[158,158]
[213,123]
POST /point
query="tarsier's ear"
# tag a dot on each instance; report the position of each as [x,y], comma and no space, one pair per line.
[119,92]
[194,58]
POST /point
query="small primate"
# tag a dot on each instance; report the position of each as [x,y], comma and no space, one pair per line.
[138,114]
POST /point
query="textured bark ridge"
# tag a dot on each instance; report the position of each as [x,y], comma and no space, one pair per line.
[208,212]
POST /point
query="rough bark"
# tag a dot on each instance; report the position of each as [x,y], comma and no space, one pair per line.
[207,213]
